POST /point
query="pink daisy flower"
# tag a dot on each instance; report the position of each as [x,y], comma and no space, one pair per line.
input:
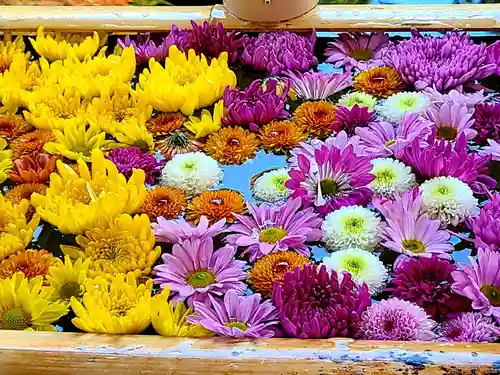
[451,120]
[177,231]
[455,97]
[318,85]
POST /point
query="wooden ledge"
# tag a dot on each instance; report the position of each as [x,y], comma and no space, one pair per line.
[43,353]
[130,19]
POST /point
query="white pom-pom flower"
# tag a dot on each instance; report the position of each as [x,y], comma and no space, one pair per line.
[449,200]
[359,98]
[351,227]
[397,105]
[392,177]
[270,187]
[193,172]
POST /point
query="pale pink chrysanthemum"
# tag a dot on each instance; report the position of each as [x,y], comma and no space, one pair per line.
[455,97]
[177,231]
[318,85]
[450,120]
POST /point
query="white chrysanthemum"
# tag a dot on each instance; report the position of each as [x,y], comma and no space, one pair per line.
[270,187]
[392,177]
[397,105]
[193,172]
[359,98]
[351,227]
[364,267]
[449,200]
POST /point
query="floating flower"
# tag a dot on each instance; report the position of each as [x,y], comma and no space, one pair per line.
[493,56]
[487,122]
[276,52]
[396,320]
[128,159]
[230,146]
[270,186]
[25,191]
[271,268]
[363,266]
[117,307]
[444,63]
[351,227]
[31,263]
[68,279]
[13,126]
[33,169]
[470,327]
[145,48]
[358,98]
[207,123]
[398,104]
[486,223]
[165,201]
[178,231]
[195,270]
[216,205]
[318,85]
[176,143]
[10,49]
[315,303]
[165,123]
[492,150]
[381,82]
[133,134]
[392,178]
[24,304]
[281,136]
[316,118]
[357,50]
[349,119]
[469,100]
[5,160]
[275,228]
[451,120]
[31,144]
[236,316]
[192,172]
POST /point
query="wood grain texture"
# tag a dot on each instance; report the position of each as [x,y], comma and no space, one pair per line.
[325,17]
[42,353]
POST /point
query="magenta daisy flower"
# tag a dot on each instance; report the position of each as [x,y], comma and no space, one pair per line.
[341,180]
[480,282]
[349,119]
[236,316]
[397,320]
[272,228]
[359,51]
[179,230]
[194,270]
[451,120]
[315,303]
[128,159]
[487,122]
[455,97]
[318,85]
[470,327]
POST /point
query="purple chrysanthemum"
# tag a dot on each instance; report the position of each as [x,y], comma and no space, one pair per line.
[493,56]
[272,228]
[130,158]
[356,50]
[455,97]
[427,283]
[486,225]
[276,52]
[480,282]
[236,316]
[177,231]
[447,62]
[341,180]
[315,303]
[397,320]
[470,327]
[487,122]
[194,270]
[350,119]
[257,105]
[318,85]
[451,120]
[145,48]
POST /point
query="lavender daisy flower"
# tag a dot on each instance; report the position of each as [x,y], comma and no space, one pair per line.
[470,327]
[455,97]
[257,105]
[491,151]
[315,303]
[145,48]
[275,228]
[397,320]
[480,282]
[130,158]
[350,119]
[236,316]
[448,62]
[487,122]
[318,85]
[451,120]
[342,179]
[178,231]
[276,52]
[194,270]
[356,50]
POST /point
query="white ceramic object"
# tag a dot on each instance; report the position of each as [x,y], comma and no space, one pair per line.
[269,10]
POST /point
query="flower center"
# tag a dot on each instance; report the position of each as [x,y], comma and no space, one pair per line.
[388,325]
[385,176]
[201,279]
[353,266]
[69,290]
[408,103]
[281,267]
[448,133]
[189,166]
[362,54]
[120,308]
[15,319]
[143,145]
[442,190]
[238,325]
[178,139]
[390,142]
[279,182]
[329,187]
[492,292]
[272,235]
[354,225]
[415,246]
[233,142]
[184,77]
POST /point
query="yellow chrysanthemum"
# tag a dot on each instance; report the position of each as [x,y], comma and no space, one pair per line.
[24,304]
[114,68]
[15,231]
[68,279]
[9,49]
[122,244]
[77,142]
[186,83]
[116,307]
[5,160]
[74,201]
[169,318]
[134,134]
[61,46]
[207,123]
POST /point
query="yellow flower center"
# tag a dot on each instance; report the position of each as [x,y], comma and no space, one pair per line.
[353,266]
[354,225]
[184,77]
[69,290]
[362,54]
[390,142]
[120,308]
[448,133]
[108,249]
[279,182]
[122,114]
[408,102]
[201,279]
[272,235]
[385,176]
[329,187]
[492,292]
[415,246]
[15,319]
[239,325]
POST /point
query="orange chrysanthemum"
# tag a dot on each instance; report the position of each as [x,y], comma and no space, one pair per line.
[380,81]
[30,262]
[281,136]
[272,267]
[165,123]
[13,126]
[165,201]
[33,169]
[216,205]
[31,144]
[232,145]
[24,191]
[315,118]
